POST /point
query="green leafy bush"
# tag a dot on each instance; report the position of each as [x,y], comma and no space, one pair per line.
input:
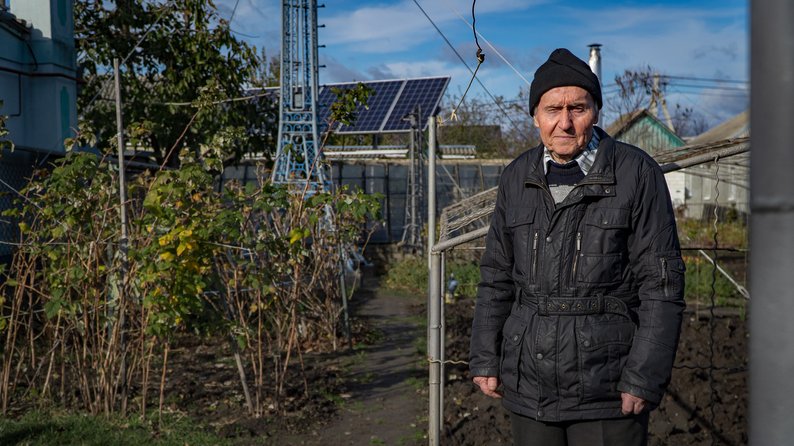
[410,275]
[730,234]
[700,273]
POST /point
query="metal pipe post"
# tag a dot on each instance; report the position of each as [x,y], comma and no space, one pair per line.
[433,335]
[772,220]
[442,336]
[412,189]
[124,240]
[431,186]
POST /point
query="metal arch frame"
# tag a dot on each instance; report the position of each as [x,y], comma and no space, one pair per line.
[298,152]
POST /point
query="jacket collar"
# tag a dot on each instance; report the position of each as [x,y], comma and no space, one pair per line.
[603,169]
[601,172]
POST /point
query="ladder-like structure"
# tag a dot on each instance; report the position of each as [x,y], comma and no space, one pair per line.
[298,133]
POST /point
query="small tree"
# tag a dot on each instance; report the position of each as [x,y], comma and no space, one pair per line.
[174,53]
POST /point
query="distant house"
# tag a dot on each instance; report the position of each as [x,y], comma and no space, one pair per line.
[646,131]
[38,89]
[732,193]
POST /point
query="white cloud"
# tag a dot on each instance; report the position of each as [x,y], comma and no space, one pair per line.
[384,28]
[675,41]
[258,21]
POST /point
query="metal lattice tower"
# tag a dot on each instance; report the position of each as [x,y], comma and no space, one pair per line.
[298,135]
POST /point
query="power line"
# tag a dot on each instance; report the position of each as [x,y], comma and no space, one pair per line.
[234,11]
[709,93]
[489,44]
[703,79]
[463,61]
[708,87]
[667,77]
[137,44]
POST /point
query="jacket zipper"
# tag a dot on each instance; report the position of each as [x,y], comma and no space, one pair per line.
[664,276]
[544,188]
[576,257]
[533,271]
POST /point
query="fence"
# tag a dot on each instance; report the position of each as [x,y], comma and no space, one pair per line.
[455,180]
[15,170]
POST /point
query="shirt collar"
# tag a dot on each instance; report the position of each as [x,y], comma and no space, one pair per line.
[585,159]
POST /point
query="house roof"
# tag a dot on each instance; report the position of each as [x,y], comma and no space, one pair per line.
[627,120]
[736,127]
[643,129]
[12,23]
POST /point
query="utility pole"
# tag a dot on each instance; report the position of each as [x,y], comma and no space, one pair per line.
[657,98]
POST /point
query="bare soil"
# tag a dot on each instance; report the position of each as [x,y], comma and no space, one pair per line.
[371,394]
[706,403]
[376,392]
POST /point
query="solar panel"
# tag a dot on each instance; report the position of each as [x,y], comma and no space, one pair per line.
[388,105]
[390,102]
[370,119]
[422,93]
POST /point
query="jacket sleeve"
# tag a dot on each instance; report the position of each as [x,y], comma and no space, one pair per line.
[656,263]
[495,294]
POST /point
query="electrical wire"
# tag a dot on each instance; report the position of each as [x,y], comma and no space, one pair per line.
[709,93]
[480,59]
[221,101]
[463,61]
[707,87]
[714,254]
[234,11]
[703,79]
[166,7]
[504,59]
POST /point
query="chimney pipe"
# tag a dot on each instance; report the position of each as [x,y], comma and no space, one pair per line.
[595,59]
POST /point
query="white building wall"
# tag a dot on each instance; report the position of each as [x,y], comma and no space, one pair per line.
[676,184]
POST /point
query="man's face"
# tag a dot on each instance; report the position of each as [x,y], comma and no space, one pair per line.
[565,117]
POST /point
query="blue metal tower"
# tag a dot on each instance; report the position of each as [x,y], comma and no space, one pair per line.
[298,135]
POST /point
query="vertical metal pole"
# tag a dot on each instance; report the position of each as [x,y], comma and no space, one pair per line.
[431,186]
[343,291]
[442,336]
[124,238]
[437,325]
[772,220]
[412,182]
[420,170]
[433,326]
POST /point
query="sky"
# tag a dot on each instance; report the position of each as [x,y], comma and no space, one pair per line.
[393,39]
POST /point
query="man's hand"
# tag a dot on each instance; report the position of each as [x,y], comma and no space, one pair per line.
[488,385]
[631,404]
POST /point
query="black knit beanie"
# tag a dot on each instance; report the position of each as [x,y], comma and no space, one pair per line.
[563,69]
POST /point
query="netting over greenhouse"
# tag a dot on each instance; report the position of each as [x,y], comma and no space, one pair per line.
[472,214]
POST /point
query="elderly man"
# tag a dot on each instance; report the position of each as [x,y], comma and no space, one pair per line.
[579,306]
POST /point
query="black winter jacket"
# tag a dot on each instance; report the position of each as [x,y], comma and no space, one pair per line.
[582,300]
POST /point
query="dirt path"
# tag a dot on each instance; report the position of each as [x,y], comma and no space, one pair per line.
[384,402]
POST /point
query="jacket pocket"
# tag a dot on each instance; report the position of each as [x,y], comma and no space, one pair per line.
[525,234]
[603,344]
[602,258]
[512,340]
[671,275]
[607,230]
